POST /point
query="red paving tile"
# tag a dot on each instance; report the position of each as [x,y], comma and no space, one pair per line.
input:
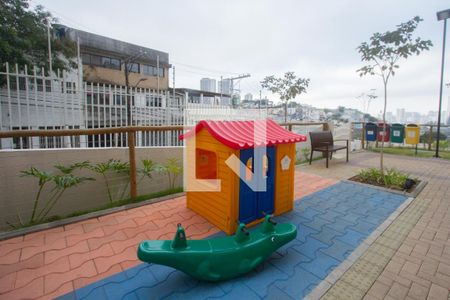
[53,262]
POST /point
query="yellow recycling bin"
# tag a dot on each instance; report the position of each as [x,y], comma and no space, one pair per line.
[412,134]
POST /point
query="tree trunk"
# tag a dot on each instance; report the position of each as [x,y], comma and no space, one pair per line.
[127,97]
[285,111]
[384,131]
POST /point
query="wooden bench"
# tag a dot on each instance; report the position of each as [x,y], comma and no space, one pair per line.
[322,141]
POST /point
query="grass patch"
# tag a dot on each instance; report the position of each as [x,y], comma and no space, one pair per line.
[109,205]
[411,152]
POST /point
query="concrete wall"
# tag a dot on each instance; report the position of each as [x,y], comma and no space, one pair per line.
[17,193]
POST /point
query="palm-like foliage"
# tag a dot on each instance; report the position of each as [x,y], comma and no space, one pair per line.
[61,182]
[111,166]
[148,167]
[172,168]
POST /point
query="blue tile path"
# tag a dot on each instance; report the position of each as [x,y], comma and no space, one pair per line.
[331,223]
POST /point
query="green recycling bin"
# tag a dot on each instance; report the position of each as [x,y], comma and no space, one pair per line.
[397,133]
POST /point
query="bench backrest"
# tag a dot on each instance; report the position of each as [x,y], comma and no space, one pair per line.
[321,139]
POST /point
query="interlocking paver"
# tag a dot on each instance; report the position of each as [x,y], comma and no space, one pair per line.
[291,272]
[432,201]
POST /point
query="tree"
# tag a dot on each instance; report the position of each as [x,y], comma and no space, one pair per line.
[23,37]
[287,87]
[383,53]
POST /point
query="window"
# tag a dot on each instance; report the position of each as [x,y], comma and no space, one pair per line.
[152,101]
[48,141]
[152,70]
[21,142]
[265,166]
[119,99]
[115,63]
[75,139]
[133,67]
[97,98]
[71,88]
[96,60]
[206,164]
[85,58]
[101,61]
[249,169]
[40,85]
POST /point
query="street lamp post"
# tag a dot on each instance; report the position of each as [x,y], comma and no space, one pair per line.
[441,15]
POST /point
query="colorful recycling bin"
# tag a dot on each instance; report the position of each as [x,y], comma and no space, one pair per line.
[371,132]
[397,133]
[412,132]
[381,134]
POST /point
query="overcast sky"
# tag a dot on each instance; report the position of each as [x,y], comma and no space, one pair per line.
[315,39]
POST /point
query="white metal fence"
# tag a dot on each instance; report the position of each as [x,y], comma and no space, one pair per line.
[30,99]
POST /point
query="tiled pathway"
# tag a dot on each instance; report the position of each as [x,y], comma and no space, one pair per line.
[331,224]
[411,259]
[53,262]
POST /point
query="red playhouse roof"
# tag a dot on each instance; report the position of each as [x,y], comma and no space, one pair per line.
[241,134]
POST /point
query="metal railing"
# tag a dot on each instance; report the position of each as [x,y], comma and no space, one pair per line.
[33,100]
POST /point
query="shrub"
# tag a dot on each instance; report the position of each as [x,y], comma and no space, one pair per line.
[61,182]
[392,177]
[172,168]
[111,166]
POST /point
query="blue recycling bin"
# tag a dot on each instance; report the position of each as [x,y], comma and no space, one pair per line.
[371,132]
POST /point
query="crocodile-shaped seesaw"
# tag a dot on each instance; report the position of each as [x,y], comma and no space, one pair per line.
[219,258]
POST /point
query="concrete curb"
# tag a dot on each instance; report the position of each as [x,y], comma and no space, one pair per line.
[414,193]
[95,214]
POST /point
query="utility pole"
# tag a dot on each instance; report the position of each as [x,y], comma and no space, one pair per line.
[127,97]
[260,99]
[232,79]
[221,84]
[49,41]
[127,68]
[157,72]
[173,84]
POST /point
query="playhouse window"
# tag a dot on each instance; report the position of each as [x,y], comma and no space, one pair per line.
[206,165]
[265,166]
[249,170]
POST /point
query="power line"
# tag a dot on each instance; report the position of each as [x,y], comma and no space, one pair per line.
[205,69]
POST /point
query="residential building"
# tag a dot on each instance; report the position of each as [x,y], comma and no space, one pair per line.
[208,85]
[225,87]
[104,60]
[401,117]
[248,96]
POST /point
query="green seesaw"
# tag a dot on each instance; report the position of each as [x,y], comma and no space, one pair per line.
[219,258]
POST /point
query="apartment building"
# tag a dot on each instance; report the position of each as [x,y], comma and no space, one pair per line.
[104,60]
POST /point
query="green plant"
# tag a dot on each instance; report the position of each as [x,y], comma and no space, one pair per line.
[111,166]
[389,178]
[442,144]
[148,167]
[383,53]
[306,152]
[61,182]
[172,168]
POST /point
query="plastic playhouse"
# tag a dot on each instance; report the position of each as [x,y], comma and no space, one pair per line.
[236,200]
